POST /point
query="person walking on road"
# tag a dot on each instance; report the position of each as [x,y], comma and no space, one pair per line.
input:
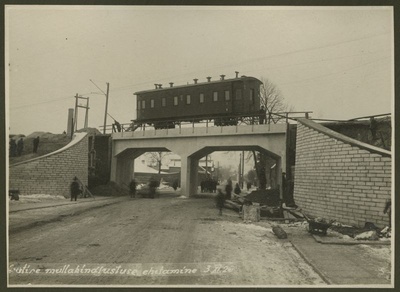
[152,188]
[75,189]
[220,201]
[228,189]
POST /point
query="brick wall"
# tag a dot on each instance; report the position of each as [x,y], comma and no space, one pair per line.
[52,173]
[340,178]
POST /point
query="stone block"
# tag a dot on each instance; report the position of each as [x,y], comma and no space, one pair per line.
[251,213]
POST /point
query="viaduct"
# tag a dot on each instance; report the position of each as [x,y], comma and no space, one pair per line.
[335,176]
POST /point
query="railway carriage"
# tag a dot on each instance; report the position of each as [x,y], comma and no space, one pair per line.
[222,101]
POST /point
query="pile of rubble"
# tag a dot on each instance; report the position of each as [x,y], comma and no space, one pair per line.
[368,232]
[267,202]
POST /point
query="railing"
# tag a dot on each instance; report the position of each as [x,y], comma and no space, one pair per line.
[352,120]
[211,121]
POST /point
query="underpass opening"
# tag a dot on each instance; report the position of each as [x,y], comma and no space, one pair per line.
[144,165]
[212,162]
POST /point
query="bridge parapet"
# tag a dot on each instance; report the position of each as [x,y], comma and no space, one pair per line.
[202,131]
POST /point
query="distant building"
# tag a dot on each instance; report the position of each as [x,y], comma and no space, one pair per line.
[143,173]
[205,168]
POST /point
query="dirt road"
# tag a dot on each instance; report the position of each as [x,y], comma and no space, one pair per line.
[165,241]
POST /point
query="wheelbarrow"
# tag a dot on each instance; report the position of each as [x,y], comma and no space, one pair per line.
[316,226]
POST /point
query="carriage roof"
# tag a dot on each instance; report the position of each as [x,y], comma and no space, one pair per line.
[197,84]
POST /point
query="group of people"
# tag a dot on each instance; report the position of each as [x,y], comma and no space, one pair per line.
[17,148]
[209,185]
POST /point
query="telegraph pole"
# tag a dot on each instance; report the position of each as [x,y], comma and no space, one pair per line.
[242,170]
[76,111]
[106,94]
[105,115]
[87,113]
[206,166]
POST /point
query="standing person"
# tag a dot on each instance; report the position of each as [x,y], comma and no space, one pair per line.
[248,185]
[228,189]
[20,146]
[35,144]
[132,188]
[220,200]
[118,125]
[388,210]
[152,188]
[262,115]
[75,189]
[175,185]
[13,148]
[237,189]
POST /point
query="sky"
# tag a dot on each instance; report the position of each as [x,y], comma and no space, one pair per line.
[334,61]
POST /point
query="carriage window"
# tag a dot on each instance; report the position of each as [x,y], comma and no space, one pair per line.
[251,95]
[152,103]
[163,102]
[215,96]
[201,97]
[138,104]
[175,100]
[227,97]
[188,99]
[238,93]
[143,104]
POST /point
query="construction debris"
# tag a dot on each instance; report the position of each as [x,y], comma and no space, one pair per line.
[270,197]
[232,205]
[279,232]
[369,235]
[386,232]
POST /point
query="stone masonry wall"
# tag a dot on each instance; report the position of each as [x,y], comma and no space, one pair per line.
[52,173]
[340,178]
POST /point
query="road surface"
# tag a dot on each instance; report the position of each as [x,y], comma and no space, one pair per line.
[157,242]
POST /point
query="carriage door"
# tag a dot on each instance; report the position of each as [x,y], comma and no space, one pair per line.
[238,99]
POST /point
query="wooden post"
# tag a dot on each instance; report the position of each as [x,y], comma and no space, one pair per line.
[105,115]
[76,112]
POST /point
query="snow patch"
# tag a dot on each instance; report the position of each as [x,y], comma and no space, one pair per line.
[37,198]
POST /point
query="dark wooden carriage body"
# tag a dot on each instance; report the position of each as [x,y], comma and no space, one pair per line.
[216,100]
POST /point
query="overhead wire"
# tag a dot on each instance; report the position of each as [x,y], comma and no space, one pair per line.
[334,73]
[41,102]
[259,59]
[248,61]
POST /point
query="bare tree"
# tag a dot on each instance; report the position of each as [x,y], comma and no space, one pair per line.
[251,176]
[272,100]
[157,158]
[226,172]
